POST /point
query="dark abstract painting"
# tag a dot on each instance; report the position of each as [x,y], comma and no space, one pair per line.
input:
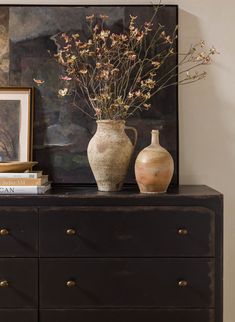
[9,130]
[61,132]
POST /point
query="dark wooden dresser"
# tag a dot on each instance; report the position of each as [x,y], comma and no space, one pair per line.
[78,255]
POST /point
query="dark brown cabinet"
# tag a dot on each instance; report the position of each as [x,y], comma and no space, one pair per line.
[128,315]
[18,232]
[12,315]
[18,283]
[127,282]
[76,254]
[127,231]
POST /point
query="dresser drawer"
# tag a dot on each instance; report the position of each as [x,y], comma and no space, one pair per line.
[126,283]
[18,283]
[127,231]
[18,315]
[18,232]
[127,315]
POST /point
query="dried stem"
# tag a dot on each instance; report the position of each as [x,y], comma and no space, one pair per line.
[117,74]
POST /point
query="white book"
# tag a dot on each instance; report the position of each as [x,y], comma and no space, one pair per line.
[24,190]
[21,175]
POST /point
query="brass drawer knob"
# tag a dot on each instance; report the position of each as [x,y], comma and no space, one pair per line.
[71,283]
[4,232]
[4,284]
[183,283]
[71,232]
[183,231]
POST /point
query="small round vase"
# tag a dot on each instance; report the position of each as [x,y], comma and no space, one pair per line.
[109,154]
[154,167]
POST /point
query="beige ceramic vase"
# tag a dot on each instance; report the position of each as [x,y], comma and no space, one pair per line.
[109,154]
[154,167]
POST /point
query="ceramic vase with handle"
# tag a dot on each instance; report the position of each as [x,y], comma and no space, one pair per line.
[154,167]
[109,154]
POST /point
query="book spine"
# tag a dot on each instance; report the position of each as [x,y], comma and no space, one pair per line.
[19,190]
[19,175]
[14,190]
[23,181]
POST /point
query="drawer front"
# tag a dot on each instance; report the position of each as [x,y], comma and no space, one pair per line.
[139,315]
[127,231]
[19,315]
[126,283]
[18,283]
[18,232]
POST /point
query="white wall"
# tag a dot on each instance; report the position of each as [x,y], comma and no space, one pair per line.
[207,113]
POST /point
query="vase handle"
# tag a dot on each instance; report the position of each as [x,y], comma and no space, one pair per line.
[131,128]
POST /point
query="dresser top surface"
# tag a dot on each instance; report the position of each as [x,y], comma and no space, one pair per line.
[129,196]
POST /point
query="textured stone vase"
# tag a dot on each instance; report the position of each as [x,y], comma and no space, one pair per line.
[154,167]
[109,154]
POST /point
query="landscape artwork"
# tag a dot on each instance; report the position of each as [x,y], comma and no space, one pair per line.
[62,132]
[9,130]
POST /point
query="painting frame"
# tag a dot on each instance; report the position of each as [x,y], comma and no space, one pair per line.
[24,96]
[58,174]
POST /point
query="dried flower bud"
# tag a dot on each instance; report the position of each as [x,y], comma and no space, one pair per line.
[104,34]
[133,17]
[63,92]
[98,65]
[66,48]
[65,36]
[84,52]
[156,64]
[65,78]
[90,18]
[39,82]
[104,17]
[202,43]
[83,71]
[213,51]
[188,75]
[147,95]
[98,112]
[124,38]
[75,36]
[96,28]
[114,71]
[140,36]
[168,40]
[147,106]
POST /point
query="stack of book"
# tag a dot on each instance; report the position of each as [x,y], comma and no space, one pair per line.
[31,182]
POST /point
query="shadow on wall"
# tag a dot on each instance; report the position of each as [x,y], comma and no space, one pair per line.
[202,128]
[207,153]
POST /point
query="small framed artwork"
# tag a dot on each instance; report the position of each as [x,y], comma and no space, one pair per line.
[16,114]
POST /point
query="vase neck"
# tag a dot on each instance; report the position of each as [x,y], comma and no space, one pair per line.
[155,137]
[110,125]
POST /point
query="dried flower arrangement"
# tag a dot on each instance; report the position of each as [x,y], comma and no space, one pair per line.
[115,73]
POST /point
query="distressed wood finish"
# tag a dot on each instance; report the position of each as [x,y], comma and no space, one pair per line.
[127,231]
[13,315]
[127,253]
[22,278]
[21,237]
[128,315]
[127,283]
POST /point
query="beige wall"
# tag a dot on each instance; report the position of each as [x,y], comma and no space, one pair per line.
[207,113]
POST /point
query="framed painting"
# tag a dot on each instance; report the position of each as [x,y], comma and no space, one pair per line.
[61,132]
[15,124]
